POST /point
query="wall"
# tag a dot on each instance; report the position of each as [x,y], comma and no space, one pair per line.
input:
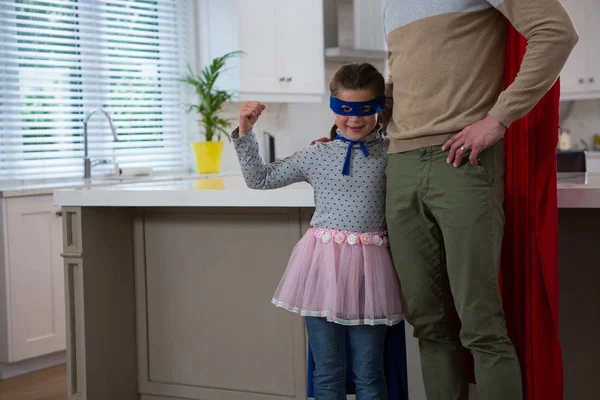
[582,119]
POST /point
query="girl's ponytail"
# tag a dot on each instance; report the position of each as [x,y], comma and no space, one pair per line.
[333,132]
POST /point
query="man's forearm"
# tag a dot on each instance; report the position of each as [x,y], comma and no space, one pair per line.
[550,38]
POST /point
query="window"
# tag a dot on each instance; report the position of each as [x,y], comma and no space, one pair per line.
[61,59]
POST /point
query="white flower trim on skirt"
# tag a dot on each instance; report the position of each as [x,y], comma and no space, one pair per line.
[379,239]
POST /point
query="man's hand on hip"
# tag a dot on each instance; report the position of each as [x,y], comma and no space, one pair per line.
[474,138]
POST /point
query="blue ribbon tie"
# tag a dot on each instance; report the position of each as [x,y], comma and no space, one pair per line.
[351,143]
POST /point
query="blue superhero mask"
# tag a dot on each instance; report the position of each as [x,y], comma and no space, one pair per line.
[356,108]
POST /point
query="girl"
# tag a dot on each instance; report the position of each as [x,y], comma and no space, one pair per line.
[340,275]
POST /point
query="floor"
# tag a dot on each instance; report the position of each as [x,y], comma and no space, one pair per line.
[49,384]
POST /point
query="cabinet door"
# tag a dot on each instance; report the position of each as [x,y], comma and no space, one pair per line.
[206,329]
[300,45]
[574,77]
[258,38]
[36,286]
[592,33]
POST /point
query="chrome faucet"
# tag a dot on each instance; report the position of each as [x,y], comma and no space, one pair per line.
[87,163]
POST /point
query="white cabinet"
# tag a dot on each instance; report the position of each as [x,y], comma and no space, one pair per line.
[259,67]
[32,289]
[300,45]
[593,34]
[580,78]
[283,47]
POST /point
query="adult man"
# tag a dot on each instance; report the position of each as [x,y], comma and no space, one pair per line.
[447,115]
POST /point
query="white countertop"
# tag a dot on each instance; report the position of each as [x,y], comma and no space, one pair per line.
[17,188]
[574,191]
[579,190]
[223,191]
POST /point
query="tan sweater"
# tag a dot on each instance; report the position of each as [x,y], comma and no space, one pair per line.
[447,59]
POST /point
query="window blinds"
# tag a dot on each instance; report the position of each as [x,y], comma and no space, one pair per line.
[61,59]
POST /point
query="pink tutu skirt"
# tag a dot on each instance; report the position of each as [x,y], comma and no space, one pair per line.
[346,277]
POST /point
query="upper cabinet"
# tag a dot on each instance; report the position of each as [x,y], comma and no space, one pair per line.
[580,78]
[283,47]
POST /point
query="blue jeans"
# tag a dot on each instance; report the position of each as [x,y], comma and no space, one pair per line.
[328,343]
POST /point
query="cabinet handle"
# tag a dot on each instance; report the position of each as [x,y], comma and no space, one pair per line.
[591,80]
[289,79]
[59,213]
[282,79]
[581,80]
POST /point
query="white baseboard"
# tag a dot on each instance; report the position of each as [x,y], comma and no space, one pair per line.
[35,364]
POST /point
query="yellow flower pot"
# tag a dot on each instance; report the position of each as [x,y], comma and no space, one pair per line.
[208,156]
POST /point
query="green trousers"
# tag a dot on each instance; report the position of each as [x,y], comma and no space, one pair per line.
[446,227]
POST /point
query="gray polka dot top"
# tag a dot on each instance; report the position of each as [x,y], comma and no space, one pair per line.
[354,203]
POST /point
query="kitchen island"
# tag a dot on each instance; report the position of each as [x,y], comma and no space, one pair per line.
[579,275]
[169,287]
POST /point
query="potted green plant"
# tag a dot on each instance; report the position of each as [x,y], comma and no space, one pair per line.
[209,107]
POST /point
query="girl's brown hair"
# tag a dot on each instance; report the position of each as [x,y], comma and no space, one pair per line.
[357,77]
